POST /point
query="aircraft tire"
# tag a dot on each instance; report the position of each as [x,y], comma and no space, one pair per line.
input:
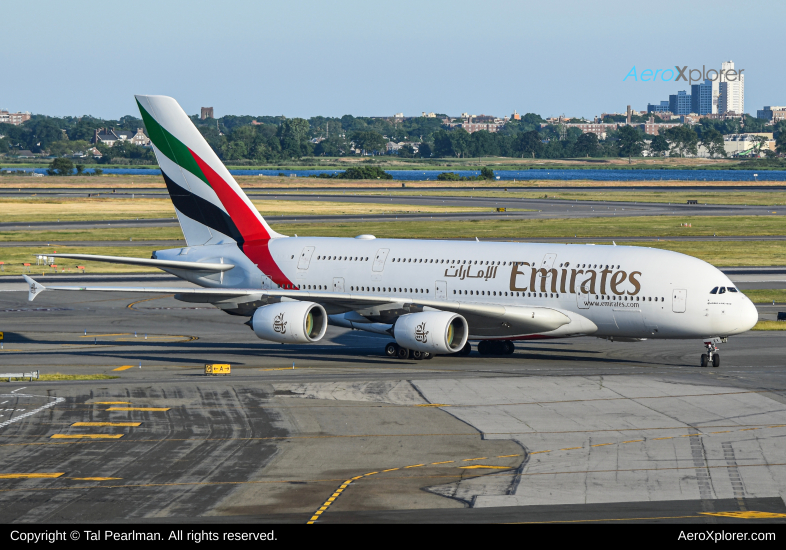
[466,350]
[402,353]
[428,355]
[416,354]
[391,350]
[704,359]
[484,347]
[716,360]
[509,347]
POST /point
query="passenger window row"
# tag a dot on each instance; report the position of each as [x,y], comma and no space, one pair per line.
[348,258]
[389,289]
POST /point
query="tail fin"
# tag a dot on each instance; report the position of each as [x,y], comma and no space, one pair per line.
[210,205]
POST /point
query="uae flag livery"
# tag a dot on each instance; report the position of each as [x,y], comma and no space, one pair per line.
[210,205]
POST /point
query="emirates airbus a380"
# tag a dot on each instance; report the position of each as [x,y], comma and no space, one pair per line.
[431,297]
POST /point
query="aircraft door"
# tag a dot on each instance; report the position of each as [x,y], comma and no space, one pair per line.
[379,259]
[441,290]
[582,298]
[338,284]
[548,261]
[305,257]
[679,297]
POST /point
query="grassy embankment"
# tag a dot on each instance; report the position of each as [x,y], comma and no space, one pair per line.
[770,325]
[766,296]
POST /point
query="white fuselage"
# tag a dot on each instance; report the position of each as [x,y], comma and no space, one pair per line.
[627,292]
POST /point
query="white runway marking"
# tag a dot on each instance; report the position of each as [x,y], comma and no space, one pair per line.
[21,416]
[18,389]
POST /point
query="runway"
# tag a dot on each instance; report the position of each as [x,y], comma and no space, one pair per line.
[566,430]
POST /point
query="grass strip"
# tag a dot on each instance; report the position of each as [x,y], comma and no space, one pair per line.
[766,296]
[770,325]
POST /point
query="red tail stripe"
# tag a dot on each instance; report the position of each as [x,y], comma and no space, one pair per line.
[254,233]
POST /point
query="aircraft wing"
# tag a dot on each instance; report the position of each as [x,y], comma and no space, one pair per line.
[513,319]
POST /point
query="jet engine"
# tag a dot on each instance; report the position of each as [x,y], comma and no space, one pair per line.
[290,322]
[438,332]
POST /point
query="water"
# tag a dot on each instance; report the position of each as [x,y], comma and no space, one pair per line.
[509,175]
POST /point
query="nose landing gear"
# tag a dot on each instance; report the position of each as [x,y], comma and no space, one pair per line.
[712,354]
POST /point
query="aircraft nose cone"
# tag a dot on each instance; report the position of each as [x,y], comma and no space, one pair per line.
[749,315]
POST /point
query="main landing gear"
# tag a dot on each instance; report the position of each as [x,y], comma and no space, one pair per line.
[711,356]
[496,347]
[394,350]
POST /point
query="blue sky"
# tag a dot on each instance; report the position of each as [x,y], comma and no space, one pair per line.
[306,58]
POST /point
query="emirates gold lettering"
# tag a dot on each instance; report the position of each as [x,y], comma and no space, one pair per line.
[515,271]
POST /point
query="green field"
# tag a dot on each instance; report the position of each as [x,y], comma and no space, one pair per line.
[766,296]
[770,325]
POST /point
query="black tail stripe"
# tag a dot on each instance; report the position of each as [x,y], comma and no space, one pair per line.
[201,210]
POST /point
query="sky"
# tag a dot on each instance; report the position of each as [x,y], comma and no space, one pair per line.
[303,58]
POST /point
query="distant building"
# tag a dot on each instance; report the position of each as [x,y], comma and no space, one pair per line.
[662,107]
[515,115]
[704,97]
[655,128]
[207,112]
[111,136]
[680,103]
[474,123]
[772,113]
[597,128]
[732,89]
[746,144]
[13,118]
[428,115]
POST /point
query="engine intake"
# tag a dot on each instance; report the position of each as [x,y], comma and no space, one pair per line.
[290,322]
[432,331]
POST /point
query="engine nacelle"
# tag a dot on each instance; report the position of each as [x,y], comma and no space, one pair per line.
[432,331]
[290,322]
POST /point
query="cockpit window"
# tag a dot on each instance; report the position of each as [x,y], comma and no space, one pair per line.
[714,290]
[722,290]
[731,289]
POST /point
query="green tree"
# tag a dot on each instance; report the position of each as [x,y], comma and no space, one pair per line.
[631,142]
[406,151]
[712,141]
[586,145]
[487,173]
[528,143]
[294,136]
[460,141]
[80,168]
[683,140]
[369,141]
[424,150]
[658,146]
[780,142]
[61,167]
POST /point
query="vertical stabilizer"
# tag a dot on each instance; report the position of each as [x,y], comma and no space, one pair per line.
[210,205]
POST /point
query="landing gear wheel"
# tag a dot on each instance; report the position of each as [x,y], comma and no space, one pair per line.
[428,355]
[417,355]
[484,347]
[466,350]
[716,360]
[402,353]
[391,349]
[704,359]
[509,347]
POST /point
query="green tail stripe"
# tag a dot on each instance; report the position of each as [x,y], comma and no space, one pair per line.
[168,144]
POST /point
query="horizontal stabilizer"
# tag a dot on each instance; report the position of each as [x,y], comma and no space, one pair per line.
[161,264]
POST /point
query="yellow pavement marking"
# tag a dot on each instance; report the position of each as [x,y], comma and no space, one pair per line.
[435,463]
[723,432]
[110,424]
[634,441]
[97,335]
[498,456]
[110,403]
[124,367]
[479,466]
[372,473]
[538,452]
[94,478]
[151,409]
[657,438]
[31,476]
[390,470]
[745,515]
[86,436]
[479,458]
[749,429]
[433,405]
[604,444]
[413,466]
[570,448]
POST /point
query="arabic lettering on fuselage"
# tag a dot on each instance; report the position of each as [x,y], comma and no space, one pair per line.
[465,272]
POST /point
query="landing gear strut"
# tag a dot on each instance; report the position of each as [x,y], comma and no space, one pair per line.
[711,356]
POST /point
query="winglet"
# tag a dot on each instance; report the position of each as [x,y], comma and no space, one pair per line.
[35,288]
